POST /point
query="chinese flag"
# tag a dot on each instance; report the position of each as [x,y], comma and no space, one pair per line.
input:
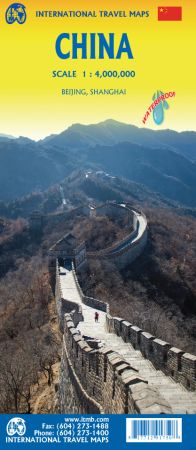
[169,13]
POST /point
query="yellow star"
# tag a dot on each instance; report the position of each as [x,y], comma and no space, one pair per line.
[163,10]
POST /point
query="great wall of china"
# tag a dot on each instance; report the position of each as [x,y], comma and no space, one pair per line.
[113,366]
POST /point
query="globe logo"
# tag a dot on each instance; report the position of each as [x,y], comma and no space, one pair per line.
[16,426]
[16,13]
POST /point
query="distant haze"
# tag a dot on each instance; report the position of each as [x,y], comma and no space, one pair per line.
[163,161]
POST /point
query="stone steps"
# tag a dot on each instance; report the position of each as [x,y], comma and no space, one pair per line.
[180,400]
[178,397]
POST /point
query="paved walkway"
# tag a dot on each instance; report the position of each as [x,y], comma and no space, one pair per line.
[131,239]
[180,400]
[68,286]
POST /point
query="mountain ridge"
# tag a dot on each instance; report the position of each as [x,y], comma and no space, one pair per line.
[120,149]
[111,131]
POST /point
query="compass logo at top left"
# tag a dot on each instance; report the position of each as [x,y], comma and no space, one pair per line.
[16,426]
[16,12]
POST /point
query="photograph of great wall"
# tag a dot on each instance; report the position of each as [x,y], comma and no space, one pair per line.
[97,272]
[132,371]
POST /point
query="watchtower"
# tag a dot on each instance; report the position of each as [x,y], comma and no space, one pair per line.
[68,249]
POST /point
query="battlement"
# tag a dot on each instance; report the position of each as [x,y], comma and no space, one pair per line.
[95,378]
[172,361]
[107,383]
[111,365]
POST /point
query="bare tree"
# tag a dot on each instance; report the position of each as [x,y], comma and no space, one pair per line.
[17,373]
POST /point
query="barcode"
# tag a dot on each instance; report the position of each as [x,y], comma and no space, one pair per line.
[154,430]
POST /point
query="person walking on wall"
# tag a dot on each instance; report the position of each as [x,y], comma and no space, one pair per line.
[96,316]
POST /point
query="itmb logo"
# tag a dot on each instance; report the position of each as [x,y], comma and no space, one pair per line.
[16,13]
[16,426]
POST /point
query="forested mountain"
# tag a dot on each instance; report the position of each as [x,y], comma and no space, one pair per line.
[163,161]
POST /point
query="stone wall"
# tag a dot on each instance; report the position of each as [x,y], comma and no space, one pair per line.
[94,380]
[63,305]
[113,210]
[98,380]
[89,301]
[122,252]
[129,253]
[101,381]
[179,365]
[129,248]
[172,361]
[73,398]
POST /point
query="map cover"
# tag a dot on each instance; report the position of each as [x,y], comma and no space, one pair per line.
[97,224]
